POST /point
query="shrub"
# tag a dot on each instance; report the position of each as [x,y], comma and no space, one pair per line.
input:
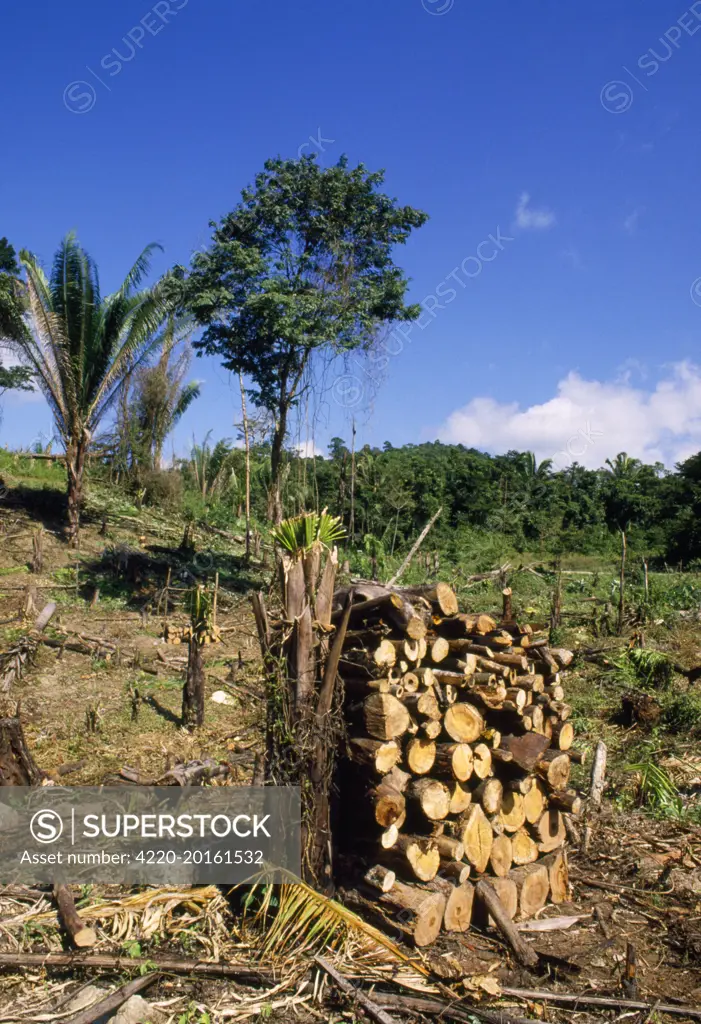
[682,713]
[162,487]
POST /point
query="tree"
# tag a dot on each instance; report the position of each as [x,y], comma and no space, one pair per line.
[81,345]
[303,265]
[17,378]
[157,399]
[11,312]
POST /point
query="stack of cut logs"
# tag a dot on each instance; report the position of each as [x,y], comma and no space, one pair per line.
[459,755]
[183,634]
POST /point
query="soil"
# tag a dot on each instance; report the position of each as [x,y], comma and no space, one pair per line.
[639,881]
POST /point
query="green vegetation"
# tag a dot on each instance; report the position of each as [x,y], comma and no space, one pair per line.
[81,346]
[301,267]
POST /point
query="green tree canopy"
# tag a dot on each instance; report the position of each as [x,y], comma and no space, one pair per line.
[304,263]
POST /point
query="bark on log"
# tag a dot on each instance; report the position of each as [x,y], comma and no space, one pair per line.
[523,952]
[386,718]
[569,802]
[379,755]
[381,878]
[598,775]
[455,871]
[81,936]
[17,766]
[455,759]
[421,912]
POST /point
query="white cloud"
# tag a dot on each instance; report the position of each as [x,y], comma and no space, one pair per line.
[630,224]
[308,450]
[588,421]
[530,219]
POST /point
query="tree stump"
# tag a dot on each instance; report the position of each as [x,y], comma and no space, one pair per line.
[17,766]
[193,690]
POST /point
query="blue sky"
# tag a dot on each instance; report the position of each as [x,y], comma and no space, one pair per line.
[571,131]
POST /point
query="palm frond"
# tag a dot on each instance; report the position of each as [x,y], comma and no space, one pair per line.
[655,787]
[644,666]
[139,271]
[306,921]
[299,533]
[187,396]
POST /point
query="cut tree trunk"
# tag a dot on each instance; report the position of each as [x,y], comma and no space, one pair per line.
[533,884]
[523,847]
[17,766]
[501,856]
[550,832]
[390,804]
[81,936]
[420,755]
[463,723]
[455,759]
[477,837]
[432,797]
[458,903]
[417,854]
[193,690]
[489,793]
[421,913]
[386,718]
[376,754]
[556,864]
[380,877]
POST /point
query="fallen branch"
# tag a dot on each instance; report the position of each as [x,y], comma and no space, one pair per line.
[605,1001]
[81,935]
[367,1004]
[106,1006]
[103,961]
[524,953]
[446,1011]
[415,547]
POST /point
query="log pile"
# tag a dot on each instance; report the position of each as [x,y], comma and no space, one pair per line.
[458,759]
[184,634]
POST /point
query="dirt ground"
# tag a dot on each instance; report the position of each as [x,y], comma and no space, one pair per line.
[635,880]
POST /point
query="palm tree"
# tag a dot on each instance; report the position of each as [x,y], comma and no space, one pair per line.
[81,346]
[623,467]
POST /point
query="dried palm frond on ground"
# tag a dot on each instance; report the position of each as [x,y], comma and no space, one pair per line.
[297,920]
[149,913]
